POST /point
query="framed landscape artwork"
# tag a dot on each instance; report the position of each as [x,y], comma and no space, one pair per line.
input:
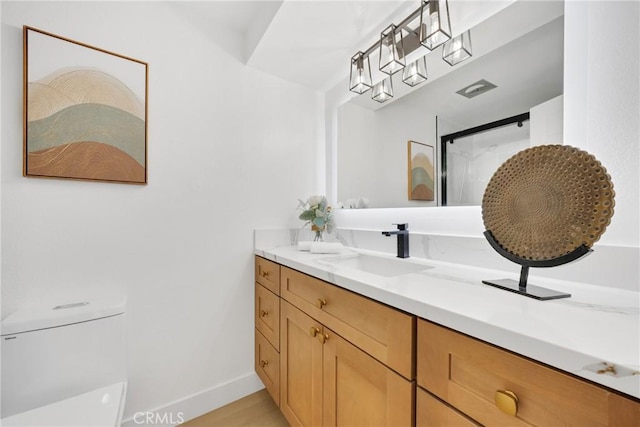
[85,111]
[421,171]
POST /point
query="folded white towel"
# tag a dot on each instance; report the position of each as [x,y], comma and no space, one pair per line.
[326,247]
[304,246]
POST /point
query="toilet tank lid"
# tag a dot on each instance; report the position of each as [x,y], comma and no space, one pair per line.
[33,319]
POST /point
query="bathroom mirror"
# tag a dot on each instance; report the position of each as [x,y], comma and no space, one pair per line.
[519,49]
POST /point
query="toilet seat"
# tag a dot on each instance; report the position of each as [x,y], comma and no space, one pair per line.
[99,407]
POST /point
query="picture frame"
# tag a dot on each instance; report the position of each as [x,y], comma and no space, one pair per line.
[421,171]
[85,111]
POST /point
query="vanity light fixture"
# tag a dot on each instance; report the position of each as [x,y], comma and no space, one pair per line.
[391,50]
[402,47]
[383,90]
[360,76]
[435,25]
[457,49]
[416,72]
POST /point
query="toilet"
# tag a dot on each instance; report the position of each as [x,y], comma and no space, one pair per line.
[64,365]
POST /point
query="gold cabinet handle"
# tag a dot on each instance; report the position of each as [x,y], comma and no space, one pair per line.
[323,338]
[321,302]
[507,402]
[264,363]
[313,331]
[263,313]
[265,274]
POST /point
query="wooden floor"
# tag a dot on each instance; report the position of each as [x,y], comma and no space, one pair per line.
[255,410]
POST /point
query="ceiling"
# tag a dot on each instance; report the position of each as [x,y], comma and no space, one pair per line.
[304,41]
[310,42]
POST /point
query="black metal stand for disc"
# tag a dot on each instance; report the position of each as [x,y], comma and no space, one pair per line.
[521,287]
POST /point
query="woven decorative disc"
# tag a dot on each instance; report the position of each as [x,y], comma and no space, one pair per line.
[546,201]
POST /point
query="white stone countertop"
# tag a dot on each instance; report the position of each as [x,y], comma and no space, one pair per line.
[595,334]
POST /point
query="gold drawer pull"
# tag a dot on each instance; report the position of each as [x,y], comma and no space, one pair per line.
[321,302]
[265,274]
[263,313]
[507,402]
[313,331]
[264,363]
[323,338]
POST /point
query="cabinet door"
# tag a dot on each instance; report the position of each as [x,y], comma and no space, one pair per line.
[267,365]
[267,315]
[300,367]
[474,377]
[383,332]
[360,391]
[268,274]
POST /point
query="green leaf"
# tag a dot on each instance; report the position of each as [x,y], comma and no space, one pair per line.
[307,215]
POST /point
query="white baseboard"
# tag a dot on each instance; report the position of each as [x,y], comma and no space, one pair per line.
[197,404]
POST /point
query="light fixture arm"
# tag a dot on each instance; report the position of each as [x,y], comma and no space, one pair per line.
[404,24]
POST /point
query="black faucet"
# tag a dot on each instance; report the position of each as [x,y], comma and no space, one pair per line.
[403,239]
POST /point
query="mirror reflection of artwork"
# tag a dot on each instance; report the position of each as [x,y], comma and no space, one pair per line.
[85,115]
[421,171]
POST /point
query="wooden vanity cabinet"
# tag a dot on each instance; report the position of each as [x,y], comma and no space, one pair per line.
[384,332]
[267,321]
[327,381]
[497,388]
[344,360]
[331,357]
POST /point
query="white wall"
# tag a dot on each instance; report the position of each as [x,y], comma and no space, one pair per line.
[547,122]
[356,160]
[230,149]
[602,100]
[372,154]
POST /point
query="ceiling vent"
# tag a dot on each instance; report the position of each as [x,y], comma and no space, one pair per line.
[477,88]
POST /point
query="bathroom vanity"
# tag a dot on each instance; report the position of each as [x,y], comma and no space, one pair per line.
[428,344]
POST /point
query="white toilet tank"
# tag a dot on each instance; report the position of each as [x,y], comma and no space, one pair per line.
[55,353]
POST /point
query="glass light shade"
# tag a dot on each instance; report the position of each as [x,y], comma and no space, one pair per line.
[383,90]
[435,26]
[416,72]
[391,50]
[360,77]
[457,49]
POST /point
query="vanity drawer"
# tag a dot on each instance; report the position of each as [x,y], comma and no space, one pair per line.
[432,412]
[383,332]
[268,274]
[267,365]
[468,373]
[267,314]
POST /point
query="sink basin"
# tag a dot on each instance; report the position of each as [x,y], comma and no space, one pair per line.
[381,266]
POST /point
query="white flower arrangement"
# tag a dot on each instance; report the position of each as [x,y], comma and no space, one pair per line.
[317,212]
